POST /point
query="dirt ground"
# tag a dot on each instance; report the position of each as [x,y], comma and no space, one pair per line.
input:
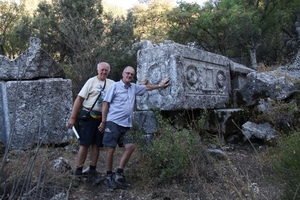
[243,159]
[238,175]
[87,190]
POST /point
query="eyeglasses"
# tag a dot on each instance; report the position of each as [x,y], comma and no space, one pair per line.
[104,70]
[129,73]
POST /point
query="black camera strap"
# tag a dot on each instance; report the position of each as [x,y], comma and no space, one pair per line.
[98,95]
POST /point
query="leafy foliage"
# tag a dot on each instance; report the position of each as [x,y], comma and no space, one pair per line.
[171,151]
[151,23]
[79,35]
[12,18]
[286,163]
[283,115]
[235,28]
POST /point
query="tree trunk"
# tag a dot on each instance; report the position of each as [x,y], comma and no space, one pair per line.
[252,52]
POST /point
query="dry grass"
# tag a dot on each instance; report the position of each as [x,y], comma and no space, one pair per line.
[238,175]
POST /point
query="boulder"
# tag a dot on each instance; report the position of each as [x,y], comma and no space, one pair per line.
[278,84]
[263,131]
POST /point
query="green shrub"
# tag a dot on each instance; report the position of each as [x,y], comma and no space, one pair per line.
[170,153]
[286,162]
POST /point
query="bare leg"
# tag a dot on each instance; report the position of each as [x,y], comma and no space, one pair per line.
[94,154]
[109,158]
[129,149]
[81,156]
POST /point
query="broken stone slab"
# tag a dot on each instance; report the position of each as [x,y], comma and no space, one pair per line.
[198,79]
[240,69]
[143,45]
[263,131]
[218,153]
[61,165]
[60,196]
[238,79]
[145,121]
[277,85]
[226,121]
[284,115]
[34,63]
[35,112]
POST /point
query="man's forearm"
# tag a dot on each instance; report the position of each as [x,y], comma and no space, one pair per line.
[105,106]
[163,84]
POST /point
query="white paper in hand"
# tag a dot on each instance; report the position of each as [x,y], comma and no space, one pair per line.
[74,130]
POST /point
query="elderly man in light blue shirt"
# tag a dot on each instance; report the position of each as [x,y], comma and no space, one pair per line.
[117,109]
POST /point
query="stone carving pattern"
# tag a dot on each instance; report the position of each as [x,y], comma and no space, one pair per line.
[204,78]
[154,74]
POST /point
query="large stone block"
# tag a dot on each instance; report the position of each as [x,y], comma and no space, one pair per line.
[198,79]
[145,121]
[36,111]
[3,110]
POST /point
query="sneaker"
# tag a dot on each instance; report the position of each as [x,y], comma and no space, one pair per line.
[110,182]
[76,179]
[85,172]
[120,181]
[94,177]
[76,182]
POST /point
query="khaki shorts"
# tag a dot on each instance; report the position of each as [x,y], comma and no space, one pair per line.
[116,135]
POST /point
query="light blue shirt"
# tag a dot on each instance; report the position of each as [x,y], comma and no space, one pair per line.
[121,102]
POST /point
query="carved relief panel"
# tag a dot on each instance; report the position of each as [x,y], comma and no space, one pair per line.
[203,78]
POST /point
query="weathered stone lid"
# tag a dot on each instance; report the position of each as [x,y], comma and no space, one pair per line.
[34,63]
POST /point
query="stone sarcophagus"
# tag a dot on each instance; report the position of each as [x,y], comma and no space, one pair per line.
[35,99]
[198,79]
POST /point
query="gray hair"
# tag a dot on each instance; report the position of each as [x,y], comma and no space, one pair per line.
[127,68]
[103,63]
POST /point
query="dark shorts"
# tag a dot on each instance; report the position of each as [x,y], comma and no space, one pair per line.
[89,133]
[116,135]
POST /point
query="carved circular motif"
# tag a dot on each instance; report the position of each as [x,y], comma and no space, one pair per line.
[192,76]
[221,80]
[154,74]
